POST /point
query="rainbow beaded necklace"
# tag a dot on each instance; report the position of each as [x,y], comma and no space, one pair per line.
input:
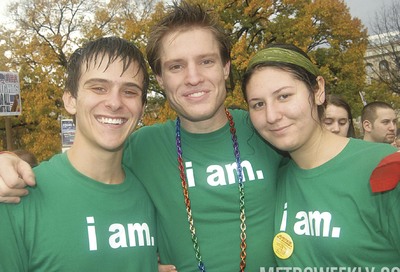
[242,216]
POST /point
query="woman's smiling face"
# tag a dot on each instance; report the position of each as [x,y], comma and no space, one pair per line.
[282,109]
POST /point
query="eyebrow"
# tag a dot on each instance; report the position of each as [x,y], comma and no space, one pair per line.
[201,56]
[102,80]
[335,118]
[274,92]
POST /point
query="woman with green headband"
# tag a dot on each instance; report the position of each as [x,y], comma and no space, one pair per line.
[326,214]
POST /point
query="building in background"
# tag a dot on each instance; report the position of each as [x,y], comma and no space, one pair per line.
[10,94]
[67,133]
[382,59]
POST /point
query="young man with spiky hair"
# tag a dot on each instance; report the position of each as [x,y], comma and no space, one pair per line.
[88,212]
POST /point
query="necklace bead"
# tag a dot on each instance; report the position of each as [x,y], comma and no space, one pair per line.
[242,215]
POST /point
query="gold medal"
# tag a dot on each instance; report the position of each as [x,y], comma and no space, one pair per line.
[283,245]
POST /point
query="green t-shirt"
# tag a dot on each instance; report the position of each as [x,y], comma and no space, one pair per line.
[213,190]
[70,222]
[333,217]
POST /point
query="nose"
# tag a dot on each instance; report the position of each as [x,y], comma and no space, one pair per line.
[393,126]
[193,74]
[273,113]
[334,127]
[113,100]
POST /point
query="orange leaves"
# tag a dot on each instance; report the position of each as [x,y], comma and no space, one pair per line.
[48,31]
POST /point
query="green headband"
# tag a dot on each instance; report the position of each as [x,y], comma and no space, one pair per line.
[275,54]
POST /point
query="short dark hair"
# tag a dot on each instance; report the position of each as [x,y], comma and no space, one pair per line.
[181,17]
[369,110]
[109,49]
[27,156]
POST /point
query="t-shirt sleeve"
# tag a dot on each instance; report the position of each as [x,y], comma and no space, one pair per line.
[389,214]
[394,218]
[13,253]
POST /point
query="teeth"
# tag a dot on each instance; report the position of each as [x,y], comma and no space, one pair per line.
[196,94]
[112,121]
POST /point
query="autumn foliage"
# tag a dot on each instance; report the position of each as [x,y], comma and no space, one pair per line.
[44,33]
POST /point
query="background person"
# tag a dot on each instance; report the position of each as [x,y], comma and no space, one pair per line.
[337,116]
[396,142]
[325,207]
[379,122]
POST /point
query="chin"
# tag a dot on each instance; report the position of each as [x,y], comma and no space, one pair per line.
[281,146]
[285,148]
[113,146]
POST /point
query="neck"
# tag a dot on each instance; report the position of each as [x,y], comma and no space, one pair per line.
[206,125]
[324,146]
[102,166]
[368,138]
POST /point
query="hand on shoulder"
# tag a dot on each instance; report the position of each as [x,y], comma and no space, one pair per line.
[386,175]
[15,175]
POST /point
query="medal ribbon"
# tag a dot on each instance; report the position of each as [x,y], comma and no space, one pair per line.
[242,216]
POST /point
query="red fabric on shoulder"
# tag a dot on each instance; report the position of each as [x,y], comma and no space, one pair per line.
[386,175]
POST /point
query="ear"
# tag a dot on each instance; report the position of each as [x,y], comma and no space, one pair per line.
[69,103]
[227,69]
[320,92]
[367,125]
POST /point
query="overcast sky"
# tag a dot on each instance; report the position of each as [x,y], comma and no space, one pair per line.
[366,9]
[363,9]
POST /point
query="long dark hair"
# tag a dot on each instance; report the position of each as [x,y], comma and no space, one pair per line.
[341,103]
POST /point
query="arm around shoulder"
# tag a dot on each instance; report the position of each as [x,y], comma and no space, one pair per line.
[384,181]
[386,175]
